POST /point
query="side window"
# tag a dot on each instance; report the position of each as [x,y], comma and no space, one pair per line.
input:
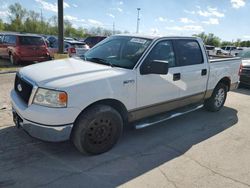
[189,52]
[162,51]
[6,39]
[12,39]
[9,39]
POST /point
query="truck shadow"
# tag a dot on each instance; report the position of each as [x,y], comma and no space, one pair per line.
[28,162]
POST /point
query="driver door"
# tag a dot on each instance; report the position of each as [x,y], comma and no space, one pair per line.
[155,92]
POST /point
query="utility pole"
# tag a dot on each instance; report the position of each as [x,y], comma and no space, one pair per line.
[60,27]
[113,28]
[138,19]
[41,15]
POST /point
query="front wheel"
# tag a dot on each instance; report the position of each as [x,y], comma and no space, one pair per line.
[97,130]
[218,98]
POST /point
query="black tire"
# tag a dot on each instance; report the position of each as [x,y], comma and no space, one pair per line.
[13,60]
[97,130]
[218,98]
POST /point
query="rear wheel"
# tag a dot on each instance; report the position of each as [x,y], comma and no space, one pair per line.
[218,98]
[97,130]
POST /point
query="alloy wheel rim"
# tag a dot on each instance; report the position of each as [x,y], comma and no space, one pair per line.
[219,98]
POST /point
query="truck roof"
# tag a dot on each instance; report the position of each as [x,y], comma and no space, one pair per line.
[155,36]
[21,34]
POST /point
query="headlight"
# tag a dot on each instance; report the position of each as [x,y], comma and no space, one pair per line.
[50,98]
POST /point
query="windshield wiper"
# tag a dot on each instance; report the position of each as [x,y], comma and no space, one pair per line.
[100,60]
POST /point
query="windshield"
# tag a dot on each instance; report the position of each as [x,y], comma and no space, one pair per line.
[118,51]
[244,54]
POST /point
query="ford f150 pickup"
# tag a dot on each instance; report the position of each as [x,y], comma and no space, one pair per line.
[124,80]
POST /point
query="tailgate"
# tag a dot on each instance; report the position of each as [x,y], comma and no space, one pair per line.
[32,46]
[33,51]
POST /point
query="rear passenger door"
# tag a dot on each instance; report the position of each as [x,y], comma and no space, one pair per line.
[194,69]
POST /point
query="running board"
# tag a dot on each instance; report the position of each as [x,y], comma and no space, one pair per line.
[163,117]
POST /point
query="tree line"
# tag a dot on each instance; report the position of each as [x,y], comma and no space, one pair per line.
[22,20]
[211,39]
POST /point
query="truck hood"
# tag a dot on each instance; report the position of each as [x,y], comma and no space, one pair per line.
[60,73]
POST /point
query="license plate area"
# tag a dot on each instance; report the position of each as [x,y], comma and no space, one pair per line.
[17,119]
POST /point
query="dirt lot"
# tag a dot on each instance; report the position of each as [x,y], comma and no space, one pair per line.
[200,149]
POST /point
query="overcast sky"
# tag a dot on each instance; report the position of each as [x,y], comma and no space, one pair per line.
[228,19]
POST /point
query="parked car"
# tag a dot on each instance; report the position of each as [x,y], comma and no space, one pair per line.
[52,38]
[70,38]
[222,52]
[125,80]
[92,41]
[1,37]
[23,47]
[215,51]
[73,48]
[245,71]
[211,50]
[232,50]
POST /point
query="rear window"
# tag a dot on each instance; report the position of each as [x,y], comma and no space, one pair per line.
[27,40]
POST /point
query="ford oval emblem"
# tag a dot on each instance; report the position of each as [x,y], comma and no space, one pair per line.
[19,87]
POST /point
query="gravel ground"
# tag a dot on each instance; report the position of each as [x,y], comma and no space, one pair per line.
[200,149]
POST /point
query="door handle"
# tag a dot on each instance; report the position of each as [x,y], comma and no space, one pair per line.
[177,76]
[203,72]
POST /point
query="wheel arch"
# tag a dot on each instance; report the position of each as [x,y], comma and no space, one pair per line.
[226,81]
[114,103]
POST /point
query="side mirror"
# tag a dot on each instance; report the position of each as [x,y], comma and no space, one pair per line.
[155,67]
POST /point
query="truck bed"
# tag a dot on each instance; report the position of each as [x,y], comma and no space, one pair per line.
[223,67]
[214,59]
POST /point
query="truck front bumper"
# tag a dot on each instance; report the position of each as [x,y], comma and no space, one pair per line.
[43,132]
[48,124]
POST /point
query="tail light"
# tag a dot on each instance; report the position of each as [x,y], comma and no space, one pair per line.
[240,70]
[72,50]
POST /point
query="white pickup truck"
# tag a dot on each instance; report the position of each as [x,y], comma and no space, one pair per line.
[124,80]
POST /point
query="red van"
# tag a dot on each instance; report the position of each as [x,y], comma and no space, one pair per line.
[23,47]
